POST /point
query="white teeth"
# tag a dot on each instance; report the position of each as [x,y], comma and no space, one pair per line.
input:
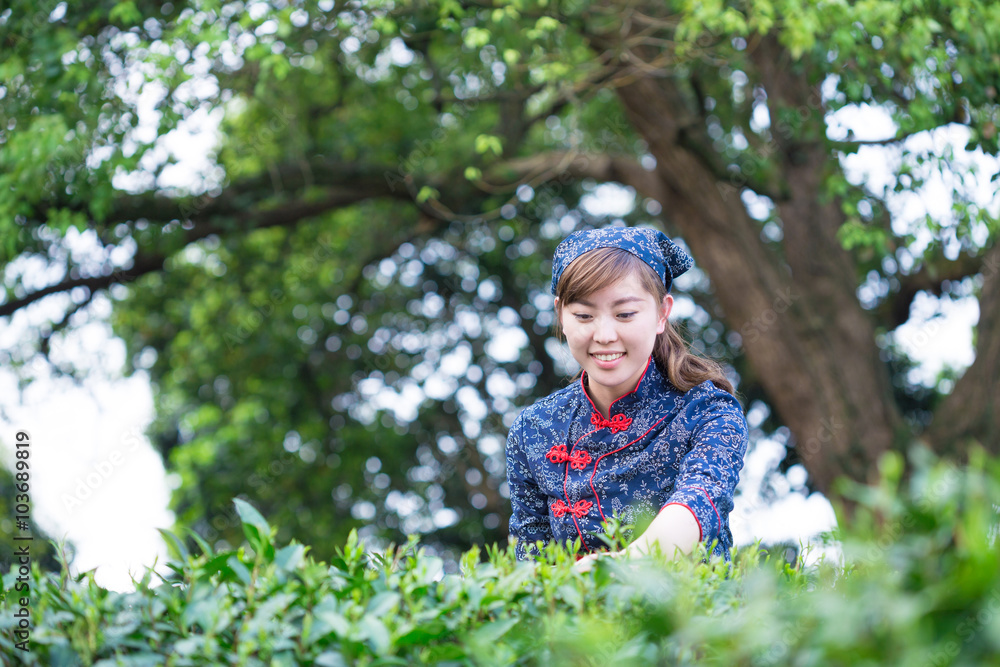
[608,357]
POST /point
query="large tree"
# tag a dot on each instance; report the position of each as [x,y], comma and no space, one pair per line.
[343,309]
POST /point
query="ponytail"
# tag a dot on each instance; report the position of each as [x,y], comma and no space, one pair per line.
[684,369]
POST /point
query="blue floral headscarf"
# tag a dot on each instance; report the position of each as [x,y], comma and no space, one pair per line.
[650,245]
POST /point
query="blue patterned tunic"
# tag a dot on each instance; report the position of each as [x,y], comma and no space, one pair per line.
[568,467]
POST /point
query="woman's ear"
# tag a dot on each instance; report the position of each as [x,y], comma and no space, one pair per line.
[665,308]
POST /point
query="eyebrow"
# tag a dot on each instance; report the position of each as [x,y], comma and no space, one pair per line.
[615,304]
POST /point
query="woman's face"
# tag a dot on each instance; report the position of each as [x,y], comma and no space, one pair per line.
[611,335]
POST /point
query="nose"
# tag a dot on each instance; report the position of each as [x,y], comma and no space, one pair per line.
[605,331]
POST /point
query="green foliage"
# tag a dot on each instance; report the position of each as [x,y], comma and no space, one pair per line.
[919,584]
[269,336]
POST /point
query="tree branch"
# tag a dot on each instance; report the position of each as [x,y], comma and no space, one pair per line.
[929,278]
[580,91]
[205,216]
[852,145]
[249,205]
[543,167]
[971,414]
[140,267]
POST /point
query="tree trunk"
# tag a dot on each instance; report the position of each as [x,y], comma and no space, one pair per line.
[803,330]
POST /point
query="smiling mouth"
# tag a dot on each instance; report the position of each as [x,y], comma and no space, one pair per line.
[609,357]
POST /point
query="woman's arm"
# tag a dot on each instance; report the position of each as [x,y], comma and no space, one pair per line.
[529,518]
[674,529]
[703,489]
[709,472]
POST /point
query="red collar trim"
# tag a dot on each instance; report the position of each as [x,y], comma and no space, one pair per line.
[583,388]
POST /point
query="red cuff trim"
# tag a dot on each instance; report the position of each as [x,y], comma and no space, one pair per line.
[713,506]
[700,532]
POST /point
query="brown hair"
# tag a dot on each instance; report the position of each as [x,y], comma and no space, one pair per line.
[598,268]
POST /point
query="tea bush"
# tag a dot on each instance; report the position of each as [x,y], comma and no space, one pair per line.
[916,583]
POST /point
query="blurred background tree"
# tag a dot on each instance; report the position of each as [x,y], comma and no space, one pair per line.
[344,306]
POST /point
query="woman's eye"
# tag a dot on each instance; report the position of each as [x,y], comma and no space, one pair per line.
[582,317]
[626,316]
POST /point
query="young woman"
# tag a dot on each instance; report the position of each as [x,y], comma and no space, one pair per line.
[649,430]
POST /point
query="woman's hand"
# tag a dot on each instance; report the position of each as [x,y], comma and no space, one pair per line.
[586,563]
